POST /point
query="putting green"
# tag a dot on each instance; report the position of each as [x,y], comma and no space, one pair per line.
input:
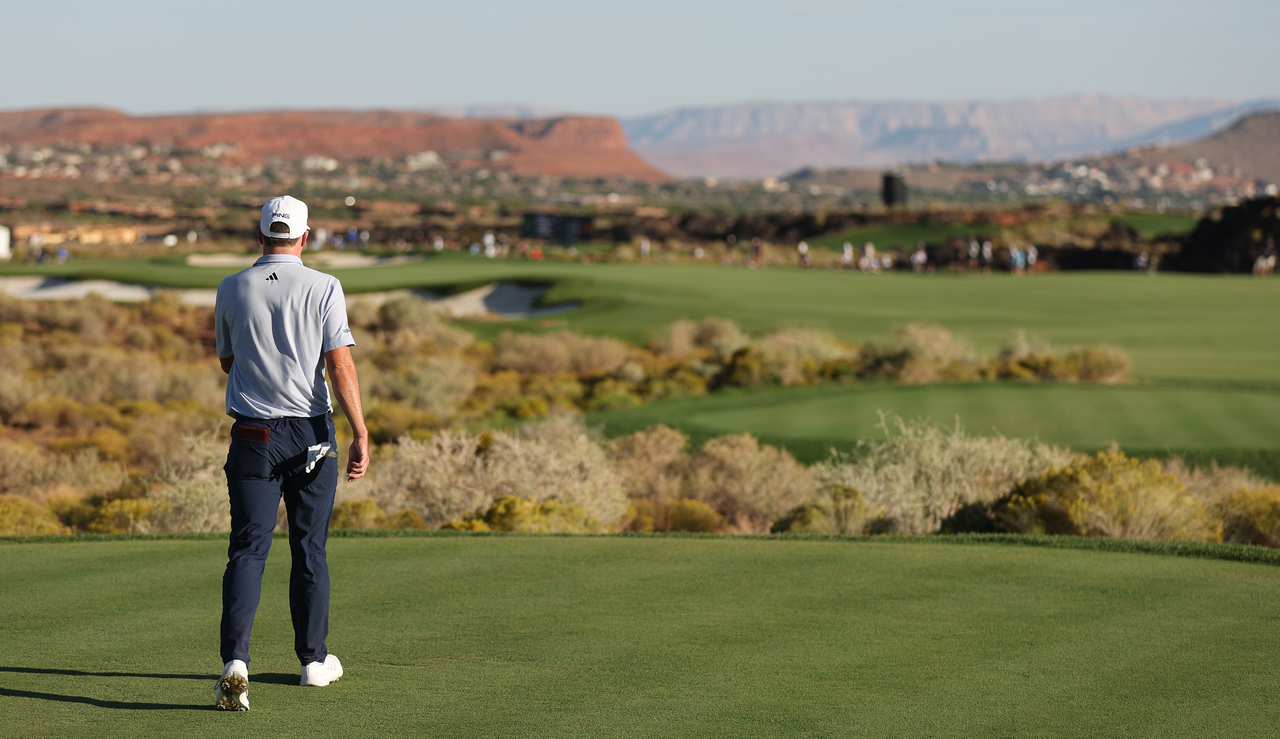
[466,636]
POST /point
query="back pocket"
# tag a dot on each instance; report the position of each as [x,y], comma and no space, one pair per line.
[248,458]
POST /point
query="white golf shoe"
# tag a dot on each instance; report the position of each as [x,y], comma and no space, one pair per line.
[320,674]
[233,687]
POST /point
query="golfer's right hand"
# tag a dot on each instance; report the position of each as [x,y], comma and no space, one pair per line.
[358,458]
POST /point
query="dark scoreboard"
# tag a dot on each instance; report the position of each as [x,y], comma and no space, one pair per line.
[567,229]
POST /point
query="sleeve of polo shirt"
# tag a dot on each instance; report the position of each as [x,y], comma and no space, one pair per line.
[334,319]
[221,332]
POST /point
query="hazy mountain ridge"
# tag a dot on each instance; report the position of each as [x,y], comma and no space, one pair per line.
[764,139]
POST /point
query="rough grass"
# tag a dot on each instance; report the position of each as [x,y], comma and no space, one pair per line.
[646,636]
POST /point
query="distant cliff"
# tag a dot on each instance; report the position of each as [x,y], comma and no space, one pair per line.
[570,146]
[771,139]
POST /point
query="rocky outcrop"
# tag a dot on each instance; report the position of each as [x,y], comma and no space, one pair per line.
[770,139]
[571,146]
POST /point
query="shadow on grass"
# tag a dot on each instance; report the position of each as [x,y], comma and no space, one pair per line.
[98,702]
[9,693]
[85,673]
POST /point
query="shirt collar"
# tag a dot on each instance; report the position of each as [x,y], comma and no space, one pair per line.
[278,259]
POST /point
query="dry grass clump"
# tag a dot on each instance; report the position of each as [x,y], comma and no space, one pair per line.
[918,353]
[652,462]
[749,483]
[681,514]
[455,473]
[1250,516]
[558,353]
[189,492]
[22,517]
[35,473]
[1108,494]
[557,459]
[923,473]
[711,337]
[836,510]
[1212,482]
[511,513]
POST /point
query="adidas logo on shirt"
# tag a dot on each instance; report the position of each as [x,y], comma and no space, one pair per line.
[273,278]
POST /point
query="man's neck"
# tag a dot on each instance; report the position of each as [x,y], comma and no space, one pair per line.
[268,251]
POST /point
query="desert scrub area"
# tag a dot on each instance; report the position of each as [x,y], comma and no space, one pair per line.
[113,423]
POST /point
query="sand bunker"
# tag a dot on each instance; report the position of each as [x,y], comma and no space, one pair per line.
[502,300]
[56,288]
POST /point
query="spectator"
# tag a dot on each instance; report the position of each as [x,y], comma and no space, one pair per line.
[988,257]
[919,259]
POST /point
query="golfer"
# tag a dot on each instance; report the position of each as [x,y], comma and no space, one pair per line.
[280,326]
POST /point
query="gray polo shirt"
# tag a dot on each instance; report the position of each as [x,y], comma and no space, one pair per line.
[279,319]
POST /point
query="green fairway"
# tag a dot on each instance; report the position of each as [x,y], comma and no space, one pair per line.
[1172,325]
[1150,225]
[809,421]
[466,636]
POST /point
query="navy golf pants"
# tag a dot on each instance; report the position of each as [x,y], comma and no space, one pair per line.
[261,468]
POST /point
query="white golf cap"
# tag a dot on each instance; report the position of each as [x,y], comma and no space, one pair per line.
[287,210]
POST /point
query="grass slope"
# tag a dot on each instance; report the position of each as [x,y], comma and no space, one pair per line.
[1159,419]
[662,637]
[1172,325]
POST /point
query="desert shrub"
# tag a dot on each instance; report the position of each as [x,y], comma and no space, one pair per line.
[609,394]
[389,420]
[557,459]
[651,463]
[36,473]
[357,514]
[122,516]
[1108,494]
[510,513]
[917,353]
[690,515]
[836,510]
[558,353]
[16,390]
[678,340]
[1250,516]
[1212,482]
[439,478]
[406,519]
[1102,364]
[412,322]
[923,473]
[407,312]
[797,356]
[190,488]
[682,514]
[748,483]
[51,412]
[1019,346]
[22,517]
[722,336]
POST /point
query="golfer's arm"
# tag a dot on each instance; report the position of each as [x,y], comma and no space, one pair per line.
[346,385]
[227,362]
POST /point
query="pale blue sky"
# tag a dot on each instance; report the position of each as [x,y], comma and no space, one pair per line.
[147,56]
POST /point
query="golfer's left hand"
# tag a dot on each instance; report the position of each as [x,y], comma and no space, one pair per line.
[358,458]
